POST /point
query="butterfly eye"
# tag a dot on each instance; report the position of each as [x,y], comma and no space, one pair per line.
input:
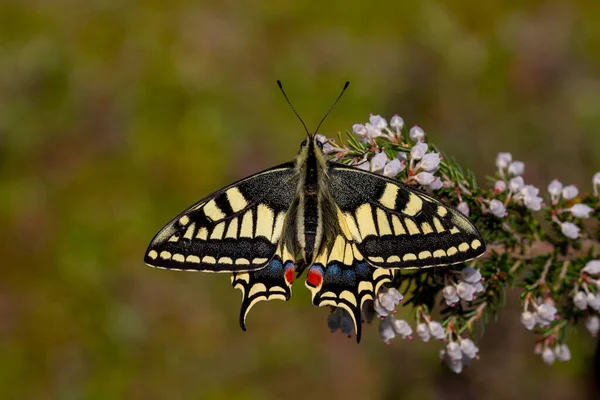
[303,144]
[320,144]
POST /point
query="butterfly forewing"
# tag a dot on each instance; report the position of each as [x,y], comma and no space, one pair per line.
[396,226]
[237,228]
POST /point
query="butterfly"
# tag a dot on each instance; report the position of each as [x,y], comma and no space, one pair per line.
[348,227]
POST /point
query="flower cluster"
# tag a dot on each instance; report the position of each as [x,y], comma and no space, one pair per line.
[536,241]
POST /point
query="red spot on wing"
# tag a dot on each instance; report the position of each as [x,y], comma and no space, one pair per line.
[315,277]
[289,274]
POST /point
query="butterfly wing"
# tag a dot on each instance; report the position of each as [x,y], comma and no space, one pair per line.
[274,282]
[396,226]
[341,277]
[234,229]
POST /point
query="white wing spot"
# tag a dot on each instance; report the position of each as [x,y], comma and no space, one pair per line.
[463,247]
[212,211]
[442,211]
[217,233]
[232,229]
[165,255]
[259,261]
[152,254]
[184,220]
[382,222]
[409,257]
[398,228]
[376,259]
[439,253]
[438,225]
[475,244]
[208,260]
[413,206]
[264,221]
[202,234]
[246,230]
[189,233]
[388,198]
[424,254]
[412,227]
[426,228]
[236,199]
[451,251]
[178,257]
[364,219]
[393,259]
[225,260]
[193,259]
[278,229]
[242,261]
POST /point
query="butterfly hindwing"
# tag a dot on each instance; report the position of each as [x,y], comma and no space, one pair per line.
[396,226]
[274,282]
[235,229]
[341,277]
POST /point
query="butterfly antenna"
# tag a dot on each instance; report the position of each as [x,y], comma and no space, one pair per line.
[334,103]
[291,106]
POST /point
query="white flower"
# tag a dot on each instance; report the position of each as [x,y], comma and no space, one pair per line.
[470,275]
[393,168]
[418,150]
[499,186]
[528,320]
[465,291]
[596,182]
[555,189]
[570,230]
[424,178]
[562,352]
[378,162]
[423,331]
[570,192]
[455,366]
[453,351]
[533,203]
[416,134]
[429,162]
[502,160]
[592,267]
[436,184]
[397,123]
[450,296]
[386,330]
[478,287]
[359,130]
[436,329]
[516,168]
[334,320]
[378,122]
[468,348]
[580,300]
[402,328]
[395,295]
[593,324]
[516,183]
[497,208]
[380,309]
[548,355]
[327,147]
[581,210]
[546,312]
[463,208]
[372,131]
[593,301]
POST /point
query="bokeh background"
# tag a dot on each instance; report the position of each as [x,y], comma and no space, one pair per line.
[116,115]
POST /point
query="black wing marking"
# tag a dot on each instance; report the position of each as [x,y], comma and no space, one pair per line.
[396,226]
[274,282]
[234,229]
[341,277]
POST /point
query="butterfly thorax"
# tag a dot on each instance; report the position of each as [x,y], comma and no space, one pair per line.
[312,196]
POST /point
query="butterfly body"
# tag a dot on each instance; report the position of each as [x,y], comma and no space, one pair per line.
[350,228]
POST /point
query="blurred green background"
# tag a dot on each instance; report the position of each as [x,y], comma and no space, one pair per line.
[116,115]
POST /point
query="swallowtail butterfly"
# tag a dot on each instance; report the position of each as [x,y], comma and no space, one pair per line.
[350,228]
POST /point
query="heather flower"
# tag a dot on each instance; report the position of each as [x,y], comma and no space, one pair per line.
[429,162]
[423,331]
[592,324]
[450,295]
[453,351]
[516,184]
[569,229]
[463,208]
[528,320]
[378,122]
[386,330]
[424,178]
[499,186]
[359,130]
[393,168]
[397,123]
[497,208]
[378,162]
[418,151]
[465,291]
[416,134]
[516,168]
[581,210]
[593,301]
[596,183]
[555,189]
[436,184]
[470,275]
[436,329]
[468,348]
[548,355]
[562,352]
[402,328]
[592,267]
[546,312]
[503,160]
[580,300]
[570,192]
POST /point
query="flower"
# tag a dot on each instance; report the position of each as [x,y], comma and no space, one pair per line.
[531,199]
[436,329]
[593,324]
[393,168]
[416,134]
[569,229]
[423,331]
[429,162]
[470,275]
[502,160]
[581,210]
[455,366]
[397,123]
[402,328]
[463,208]
[546,313]
[593,301]
[562,352]
[418,150]
[570,192]
[453,351]
[580,300]
[359,130]
[592,267]
[378,162]
[386,301]
[596,183]
[372,131]
[516,168]
[497,208]
[450,295]
[516,183]
[528,320]
[378,122]
[548,355]
[499,186]
[468,348]
[436,184]
[386,330]
[555,189]
[465,291]
[424,178]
